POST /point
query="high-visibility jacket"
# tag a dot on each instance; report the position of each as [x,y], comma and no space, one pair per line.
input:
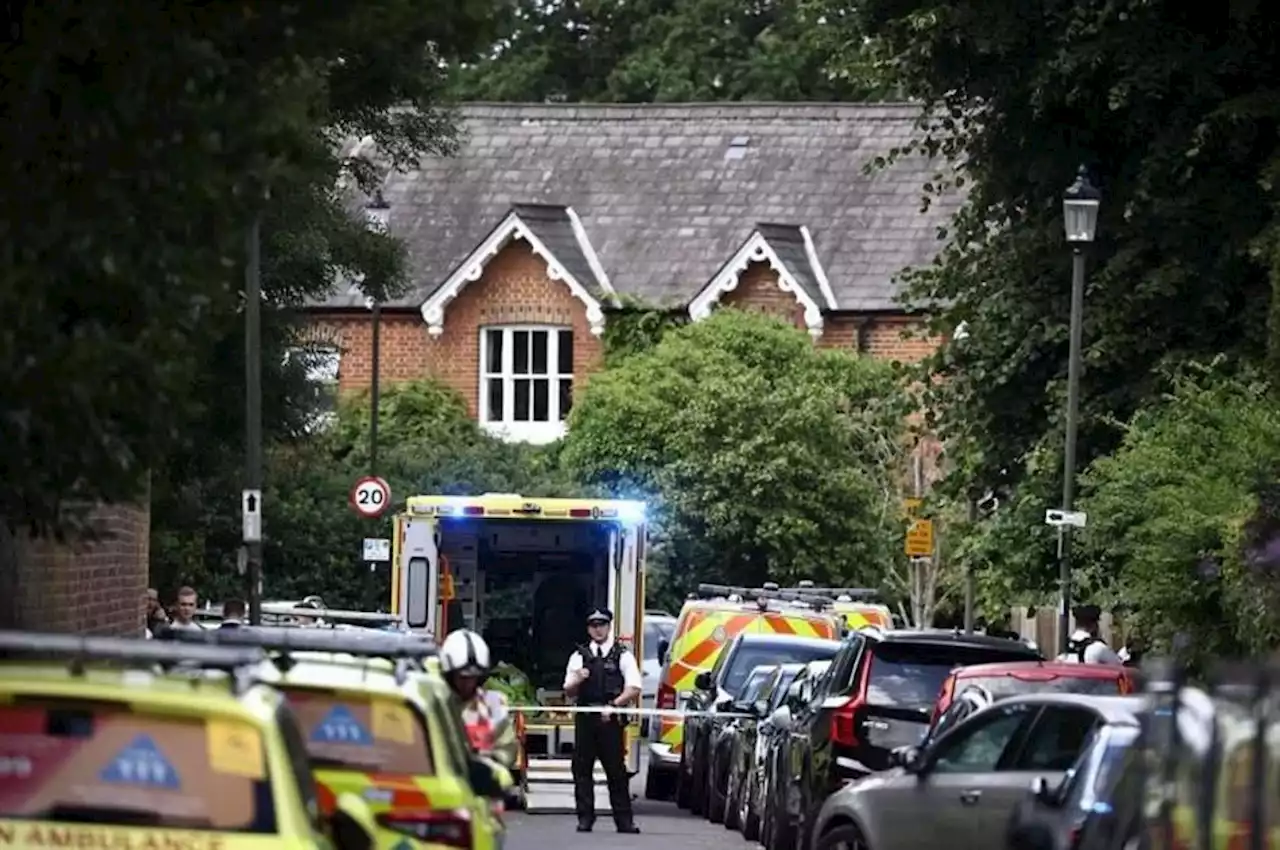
[490,726]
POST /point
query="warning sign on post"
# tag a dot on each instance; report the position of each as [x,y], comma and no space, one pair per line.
[919,539]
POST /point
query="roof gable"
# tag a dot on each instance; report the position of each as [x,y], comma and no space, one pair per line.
[553,233]
[788,250]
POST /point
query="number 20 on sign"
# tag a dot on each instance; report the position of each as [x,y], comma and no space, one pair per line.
[370,496]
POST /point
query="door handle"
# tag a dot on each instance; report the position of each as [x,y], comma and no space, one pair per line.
[970,797]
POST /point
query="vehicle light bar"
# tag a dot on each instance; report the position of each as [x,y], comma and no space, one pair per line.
[37,646]
[370,644]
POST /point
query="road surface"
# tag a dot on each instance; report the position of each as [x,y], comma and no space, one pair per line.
[662,825]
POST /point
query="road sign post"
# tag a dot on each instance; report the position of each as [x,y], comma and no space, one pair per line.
[370,496]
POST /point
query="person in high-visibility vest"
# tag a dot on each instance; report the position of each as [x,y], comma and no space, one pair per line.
[490,726]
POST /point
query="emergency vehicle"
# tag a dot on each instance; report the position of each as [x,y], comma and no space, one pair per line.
[525,572]
[709,620]
[854,605]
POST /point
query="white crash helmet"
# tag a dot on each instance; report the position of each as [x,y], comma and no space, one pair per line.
[465,653]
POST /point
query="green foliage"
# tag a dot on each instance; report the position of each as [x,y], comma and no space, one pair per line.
[1168,514]
[763,456]
[150,138]
[636,329]
[1174,109]
[427,444]
[672,51]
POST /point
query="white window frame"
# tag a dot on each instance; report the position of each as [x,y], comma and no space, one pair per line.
[505,425]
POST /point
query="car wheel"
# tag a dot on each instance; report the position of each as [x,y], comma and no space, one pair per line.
[844,837]
[683,798]
[733,801]
[782,836]
[658,784]
[716,801]
[750,818]
[697,782]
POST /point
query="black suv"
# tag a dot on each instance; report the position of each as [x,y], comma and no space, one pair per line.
[715,691]
[877,696]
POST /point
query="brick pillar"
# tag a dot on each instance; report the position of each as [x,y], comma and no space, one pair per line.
[93,588]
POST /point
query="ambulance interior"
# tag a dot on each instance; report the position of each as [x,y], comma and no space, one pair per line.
[527,587]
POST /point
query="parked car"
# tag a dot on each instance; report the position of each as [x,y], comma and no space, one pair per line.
[1004,679]
[746,754]
[879,696]
[773,775]
[1054,817]
[715,690]
[967,783]
[658,629]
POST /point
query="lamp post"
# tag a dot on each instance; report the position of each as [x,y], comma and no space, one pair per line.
[1080,221]
[377,215]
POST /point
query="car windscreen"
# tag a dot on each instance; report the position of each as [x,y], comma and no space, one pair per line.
[752,655]
[351,731]
[1007,686]
[912,675]
[653,633]
[780,690]
[119,764]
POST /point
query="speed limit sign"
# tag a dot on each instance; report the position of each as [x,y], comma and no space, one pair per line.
[370,496]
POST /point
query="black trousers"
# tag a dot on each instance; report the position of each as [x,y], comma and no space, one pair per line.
[594,738]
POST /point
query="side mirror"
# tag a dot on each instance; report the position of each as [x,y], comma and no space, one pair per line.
[664,646]
[726,705]
[352,825]
[702,681]
[907,758]
[483,781]
[1043,792]
[781,718]
[760,708]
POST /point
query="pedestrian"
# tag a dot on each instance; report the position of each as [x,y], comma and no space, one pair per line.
[602,674]
[490,726]
[1085,645]
[184,614]
[157,619]
[233,614]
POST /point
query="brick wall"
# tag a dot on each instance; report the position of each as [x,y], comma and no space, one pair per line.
[514,289]
[87,588]
[758,290]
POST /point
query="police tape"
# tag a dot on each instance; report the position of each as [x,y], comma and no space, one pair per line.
[629,712]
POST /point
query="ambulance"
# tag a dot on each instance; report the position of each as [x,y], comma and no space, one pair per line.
[525,572]
[854,605]
[709,620]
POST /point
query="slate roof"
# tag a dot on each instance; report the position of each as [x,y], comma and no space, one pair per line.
[668,193]
[554,229]
[787,241]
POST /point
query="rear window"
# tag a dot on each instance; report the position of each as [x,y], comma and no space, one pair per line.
[1004,686]
[749,656]
[359,732]
[654,632]
[912,675]
[112,763]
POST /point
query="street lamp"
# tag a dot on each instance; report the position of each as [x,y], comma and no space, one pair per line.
[377,215]
[1080,221]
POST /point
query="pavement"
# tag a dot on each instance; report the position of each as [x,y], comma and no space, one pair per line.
[661,825]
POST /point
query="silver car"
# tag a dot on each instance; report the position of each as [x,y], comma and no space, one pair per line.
[967,783]
[658,628]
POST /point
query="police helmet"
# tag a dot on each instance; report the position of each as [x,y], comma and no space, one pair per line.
[464,653]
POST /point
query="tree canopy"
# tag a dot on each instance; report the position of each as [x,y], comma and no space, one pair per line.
[1173,108]
[670,51]
[147,139]
[763,457]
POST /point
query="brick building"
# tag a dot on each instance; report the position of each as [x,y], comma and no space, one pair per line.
[552,215]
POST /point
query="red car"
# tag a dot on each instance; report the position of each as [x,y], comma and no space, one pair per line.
[1005,678]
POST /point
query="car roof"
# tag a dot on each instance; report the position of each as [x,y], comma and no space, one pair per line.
[774,639]
[727,606]
[337,670]
[950,637]
[1123,711]
[1065,669]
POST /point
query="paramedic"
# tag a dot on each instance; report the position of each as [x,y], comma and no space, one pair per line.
[605,674]
[464,662]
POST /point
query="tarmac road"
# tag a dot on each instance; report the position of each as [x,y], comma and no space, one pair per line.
[662,825]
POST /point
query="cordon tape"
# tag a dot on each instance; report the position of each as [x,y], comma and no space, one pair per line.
[628,712]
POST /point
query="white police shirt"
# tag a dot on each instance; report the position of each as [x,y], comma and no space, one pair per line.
[1096,652]
[631,677]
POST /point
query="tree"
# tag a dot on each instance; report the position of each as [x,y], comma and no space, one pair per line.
[149,137]
[670,51]
[762,456]
[1176,523]
[1174,109]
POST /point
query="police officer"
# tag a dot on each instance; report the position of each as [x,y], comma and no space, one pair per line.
[605,674]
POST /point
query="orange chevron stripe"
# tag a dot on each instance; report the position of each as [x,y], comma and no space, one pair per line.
[781,625]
